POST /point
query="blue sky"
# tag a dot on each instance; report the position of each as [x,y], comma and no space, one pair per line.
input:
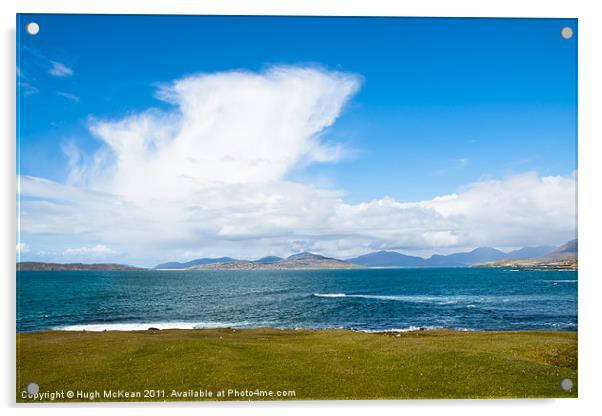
[441,103]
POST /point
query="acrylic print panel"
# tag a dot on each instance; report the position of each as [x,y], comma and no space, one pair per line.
[295,208]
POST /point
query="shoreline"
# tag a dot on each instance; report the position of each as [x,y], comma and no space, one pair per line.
[412,331]
[195,326]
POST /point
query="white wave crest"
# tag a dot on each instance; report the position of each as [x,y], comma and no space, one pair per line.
[143,326]
[439,300]
[330,295]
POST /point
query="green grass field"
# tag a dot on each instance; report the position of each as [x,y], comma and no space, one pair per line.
[326,364]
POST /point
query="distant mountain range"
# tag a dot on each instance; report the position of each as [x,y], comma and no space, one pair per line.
[295,262]
[218,260]
[379,259]
[478,255]
[564,256]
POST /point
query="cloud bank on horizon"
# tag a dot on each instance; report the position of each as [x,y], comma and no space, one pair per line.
[211,177]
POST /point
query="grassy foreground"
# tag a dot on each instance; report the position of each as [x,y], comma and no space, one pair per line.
[326,364]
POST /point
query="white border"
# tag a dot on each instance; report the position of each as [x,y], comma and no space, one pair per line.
[590,196]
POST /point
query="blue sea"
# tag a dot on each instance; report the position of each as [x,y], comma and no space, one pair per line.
[368,300]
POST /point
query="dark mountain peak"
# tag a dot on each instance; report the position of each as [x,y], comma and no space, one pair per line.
[385,258]
[486,250]
[478,255]
[268,259]
[568,249]
[306,255]
[529,252]
[216,260]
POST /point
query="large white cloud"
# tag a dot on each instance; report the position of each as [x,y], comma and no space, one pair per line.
[228,128]
[210,178]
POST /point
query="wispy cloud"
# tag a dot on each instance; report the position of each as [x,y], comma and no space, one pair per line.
[22,248]
[462,163]
[36,61]
[27,88]
[58,69]
[21,75]
[452,165]
[68,96]
[97,250]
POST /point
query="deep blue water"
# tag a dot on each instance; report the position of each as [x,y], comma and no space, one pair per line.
[386,299]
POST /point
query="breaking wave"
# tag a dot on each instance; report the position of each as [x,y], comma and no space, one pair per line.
[143,326]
